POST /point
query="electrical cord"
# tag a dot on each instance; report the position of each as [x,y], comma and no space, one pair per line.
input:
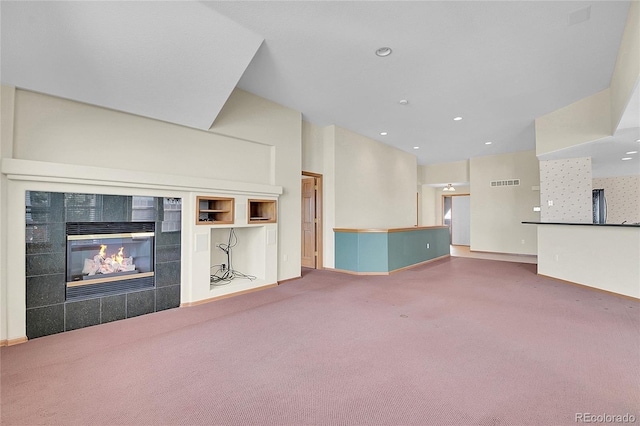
[225,273]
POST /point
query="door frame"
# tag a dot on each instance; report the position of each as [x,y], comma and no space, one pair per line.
[318,228]
[442,205]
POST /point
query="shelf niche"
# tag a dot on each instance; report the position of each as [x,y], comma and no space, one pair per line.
[262,211]
[214,210]
[249,256]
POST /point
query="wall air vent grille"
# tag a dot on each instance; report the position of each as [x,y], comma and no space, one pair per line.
[506,182]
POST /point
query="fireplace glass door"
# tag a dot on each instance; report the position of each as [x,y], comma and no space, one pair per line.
[109,252]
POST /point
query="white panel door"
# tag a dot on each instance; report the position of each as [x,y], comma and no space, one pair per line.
[460,220]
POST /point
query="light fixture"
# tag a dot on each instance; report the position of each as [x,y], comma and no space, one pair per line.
[416,147]
[631,152]
[637,140]
[627,158]
[488,143]
[383,51]
[448,188]
[403,102]
[383,133]
[457,118]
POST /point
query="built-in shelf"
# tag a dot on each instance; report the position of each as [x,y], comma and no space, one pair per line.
[214,210]
[262,211]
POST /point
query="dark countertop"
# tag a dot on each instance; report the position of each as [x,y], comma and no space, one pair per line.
[622,225]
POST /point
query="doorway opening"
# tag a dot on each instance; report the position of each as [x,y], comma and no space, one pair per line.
[456,214]
[311,212]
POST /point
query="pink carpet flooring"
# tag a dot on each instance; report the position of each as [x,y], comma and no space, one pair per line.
[456,342]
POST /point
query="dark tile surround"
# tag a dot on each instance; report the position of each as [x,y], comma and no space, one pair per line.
[47,310]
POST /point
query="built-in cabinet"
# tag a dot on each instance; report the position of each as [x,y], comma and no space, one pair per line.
[235,245]
[214,210]
[262,211]
[220,211]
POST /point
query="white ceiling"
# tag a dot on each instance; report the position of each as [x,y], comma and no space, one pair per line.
[172,61]
[498,64]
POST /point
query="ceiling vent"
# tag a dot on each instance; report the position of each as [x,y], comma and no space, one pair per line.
[506,182]
[579,16]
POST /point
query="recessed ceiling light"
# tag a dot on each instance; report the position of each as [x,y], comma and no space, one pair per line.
[627,158]
[637,140]
[631,152]
[403,101]
[383,51]
[383,133]
[416,147]
[488,143]
[457,118]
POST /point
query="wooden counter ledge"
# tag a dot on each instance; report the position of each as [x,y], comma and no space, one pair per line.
[387,230]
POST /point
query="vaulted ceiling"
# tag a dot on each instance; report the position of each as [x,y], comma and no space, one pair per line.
[496,64]
[172,61]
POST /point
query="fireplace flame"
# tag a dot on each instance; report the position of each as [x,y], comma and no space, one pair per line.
[103,264]
[120,256]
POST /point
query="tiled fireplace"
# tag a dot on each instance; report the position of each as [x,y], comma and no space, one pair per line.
[94,258]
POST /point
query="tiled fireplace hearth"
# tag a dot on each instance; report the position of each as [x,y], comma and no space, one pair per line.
[54,302]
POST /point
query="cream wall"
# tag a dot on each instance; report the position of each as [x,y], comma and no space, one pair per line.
[56,130]
[366,184]
[7,98]
[431,196]
[428,207]
[329,197]
[587,120]
[627,69]
[604,257]
[375,183]
[247,117]
[455,172]
[497,213]
[313,147]
[318,156]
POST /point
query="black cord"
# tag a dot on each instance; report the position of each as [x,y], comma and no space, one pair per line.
[225,274]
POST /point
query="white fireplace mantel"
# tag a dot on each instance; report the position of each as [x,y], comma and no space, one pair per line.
[68,173]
